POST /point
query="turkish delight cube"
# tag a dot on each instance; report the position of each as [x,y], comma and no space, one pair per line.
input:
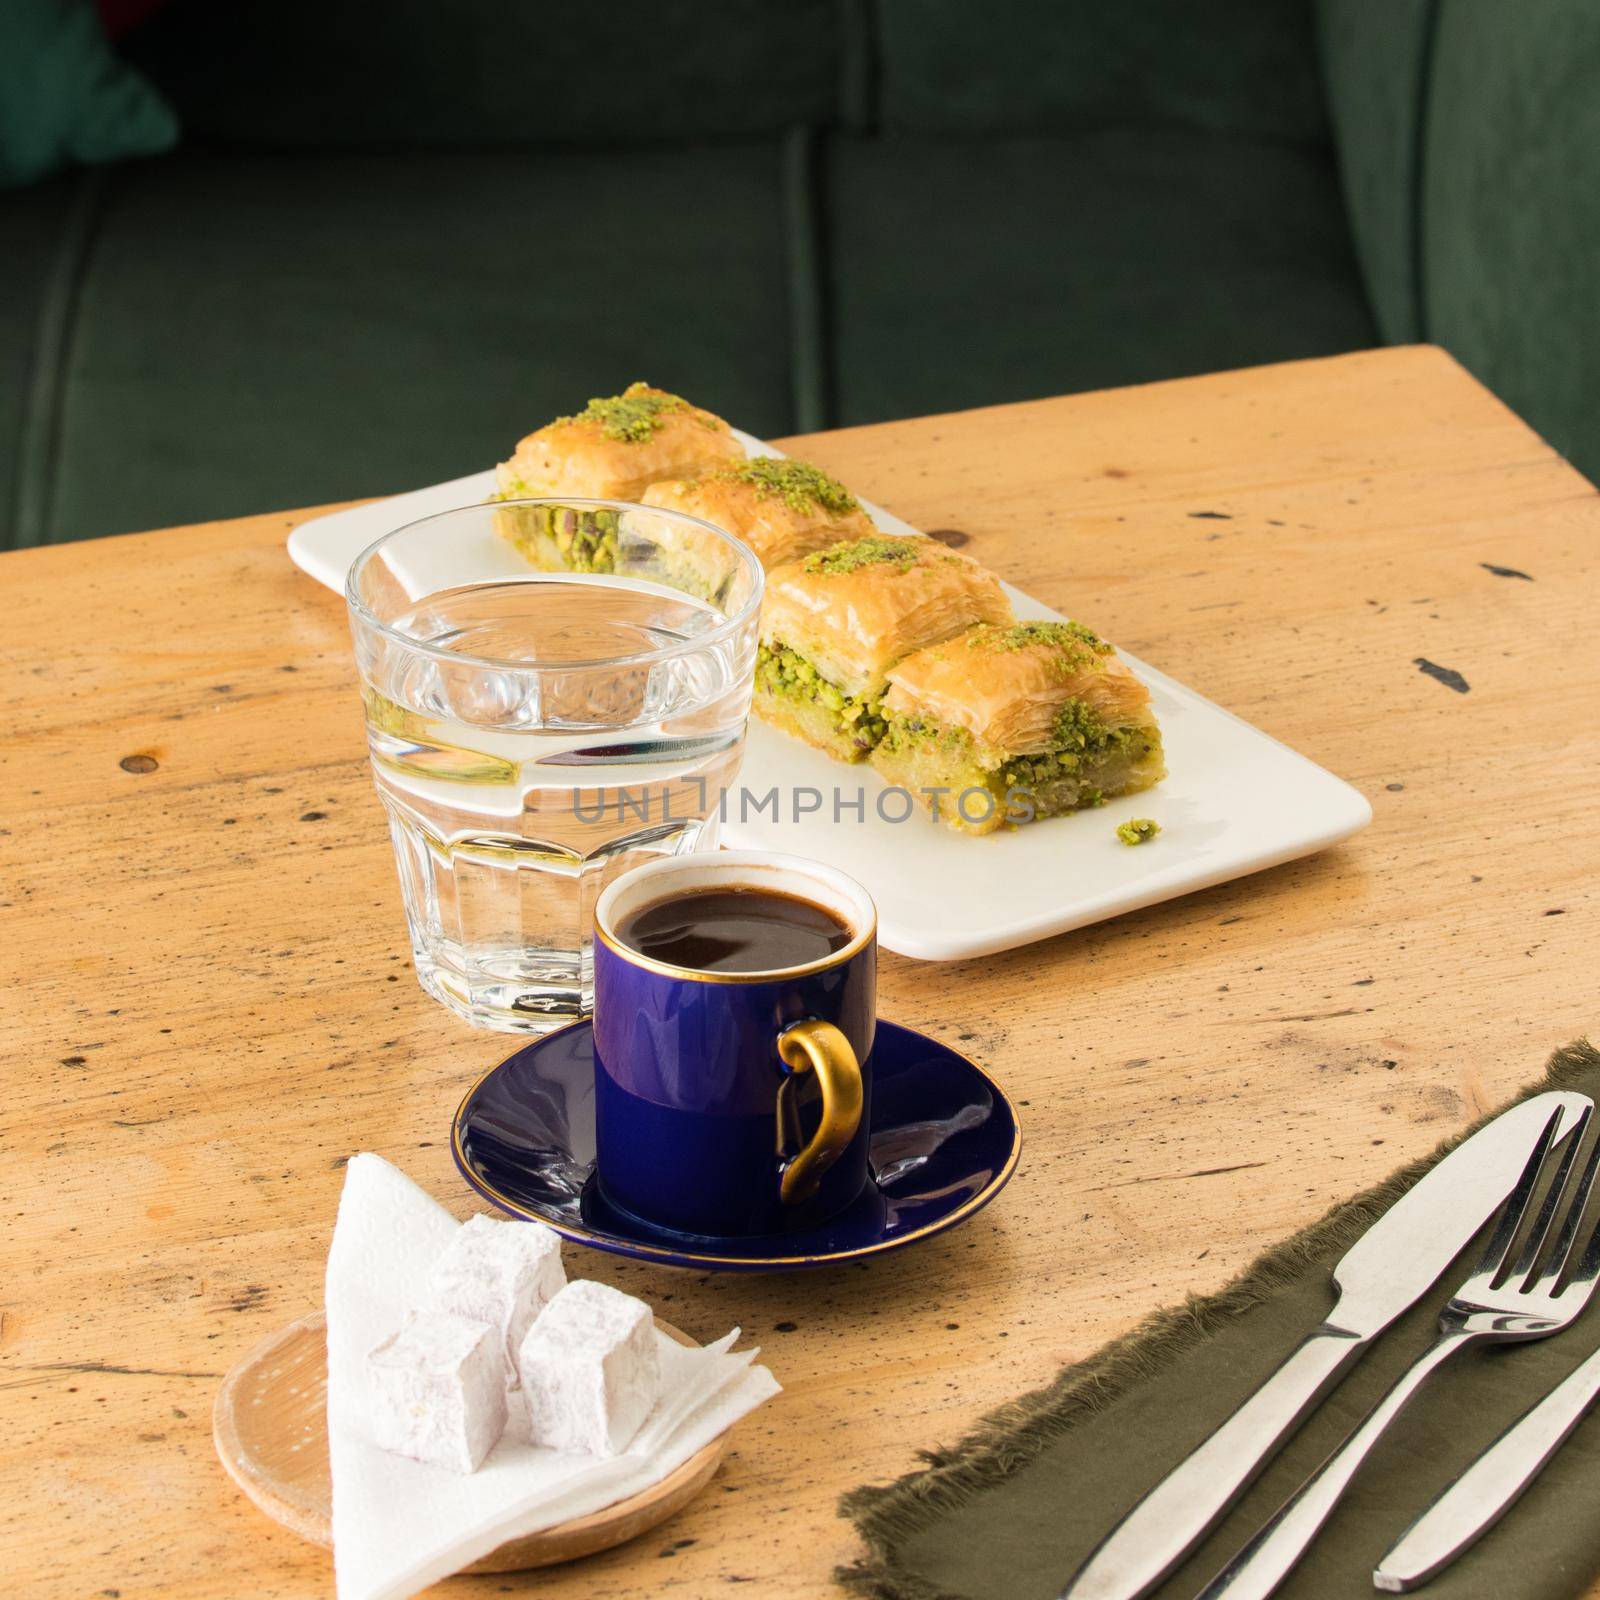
[502,1273]
[438,1390]
[590,1370]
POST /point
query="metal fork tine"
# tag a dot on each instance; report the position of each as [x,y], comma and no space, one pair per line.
[1588,1268]
[1505,1228]
[1533,1246]
[1566,1239]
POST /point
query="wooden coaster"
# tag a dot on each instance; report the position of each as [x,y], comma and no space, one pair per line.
[270,1427]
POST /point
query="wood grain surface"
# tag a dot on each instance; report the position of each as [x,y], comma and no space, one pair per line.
[208,1003]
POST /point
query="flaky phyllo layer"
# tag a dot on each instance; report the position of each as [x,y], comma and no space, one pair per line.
[856,608]
[837,620]
[616,447]
[1017,723]
[782,508]
[613,449]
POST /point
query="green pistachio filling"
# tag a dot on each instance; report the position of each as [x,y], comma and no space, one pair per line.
[1079,739]
[581,541]
[913,735]
[1079,728]
[871,551]
[798,484]
[1083,748]
[1138,831]
[628,418]
[1050,766]
[787,675]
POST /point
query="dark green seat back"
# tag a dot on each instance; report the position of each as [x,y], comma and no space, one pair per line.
[979,270]
[1063,66]
[257,330]
[1469,144]
[410,73]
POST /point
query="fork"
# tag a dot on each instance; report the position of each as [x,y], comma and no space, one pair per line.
[1490,1486]
[1529,1302]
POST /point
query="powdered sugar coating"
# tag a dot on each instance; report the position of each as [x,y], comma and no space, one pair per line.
[502,1273]
[590,1370]
[438,1390]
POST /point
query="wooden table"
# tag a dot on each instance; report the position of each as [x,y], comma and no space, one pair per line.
[209,1005]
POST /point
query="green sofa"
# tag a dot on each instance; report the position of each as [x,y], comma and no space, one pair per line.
[395,237]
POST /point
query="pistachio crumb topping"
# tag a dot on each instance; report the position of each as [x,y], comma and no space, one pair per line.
[870,551]
[1024,635]
[1077,726]
[1073,646]
[630,417]
[1138,831]
[801,486]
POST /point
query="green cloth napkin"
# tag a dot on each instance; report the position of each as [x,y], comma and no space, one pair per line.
[1009,1513]
[65,98]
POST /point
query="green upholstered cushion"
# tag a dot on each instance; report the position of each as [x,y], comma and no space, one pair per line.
[256,331]
[977,271]
[1511,209]
[38,227]
[1376,61]
[1022,66]
[66,99]
[427,72]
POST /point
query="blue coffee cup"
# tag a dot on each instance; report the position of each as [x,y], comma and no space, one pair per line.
[733,1103]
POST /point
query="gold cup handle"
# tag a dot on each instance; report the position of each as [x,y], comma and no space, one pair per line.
[819,1047]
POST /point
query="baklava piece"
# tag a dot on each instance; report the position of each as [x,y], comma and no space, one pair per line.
[834,623]
[613,449]
[1012,724]
[782,509]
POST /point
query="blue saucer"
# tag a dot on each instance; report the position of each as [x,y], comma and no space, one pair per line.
[944,1142]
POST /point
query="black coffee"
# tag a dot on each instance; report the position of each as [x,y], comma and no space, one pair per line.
[734,930]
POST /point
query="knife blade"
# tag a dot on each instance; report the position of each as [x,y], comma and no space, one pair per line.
[1385,1272]
[1489,1488]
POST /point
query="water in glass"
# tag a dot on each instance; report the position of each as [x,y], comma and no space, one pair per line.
[532,735]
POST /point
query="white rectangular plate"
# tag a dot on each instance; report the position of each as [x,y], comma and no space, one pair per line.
[1236,801]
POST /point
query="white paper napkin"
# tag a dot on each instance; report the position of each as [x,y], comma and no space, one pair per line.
[398,1525]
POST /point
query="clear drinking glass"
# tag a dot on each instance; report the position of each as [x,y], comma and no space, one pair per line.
[536,732]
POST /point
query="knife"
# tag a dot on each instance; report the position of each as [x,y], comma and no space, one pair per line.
[1388,1269]
[1490,1486]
